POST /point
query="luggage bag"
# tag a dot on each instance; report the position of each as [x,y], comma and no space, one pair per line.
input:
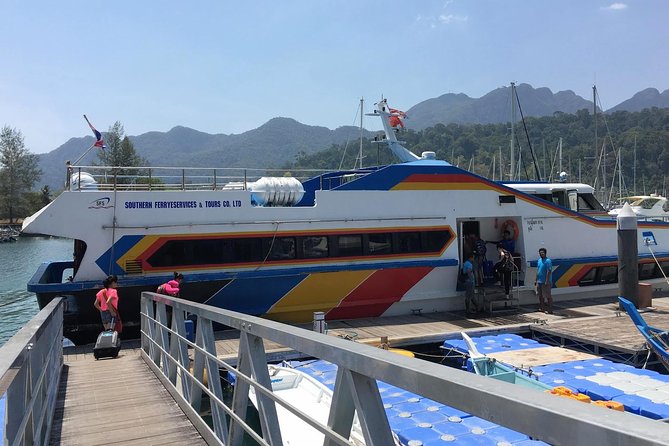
[107,345]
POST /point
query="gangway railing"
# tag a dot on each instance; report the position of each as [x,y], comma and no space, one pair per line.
[165,348]
[30,366]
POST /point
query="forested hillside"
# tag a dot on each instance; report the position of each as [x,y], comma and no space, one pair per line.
[474,146]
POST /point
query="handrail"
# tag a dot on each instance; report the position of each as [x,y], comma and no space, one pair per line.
[187,178]
[30,367]
[359,367]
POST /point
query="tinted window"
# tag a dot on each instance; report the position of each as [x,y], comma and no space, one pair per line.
[281,248]
[380,243]
[408,242]
[314,246]
[349,245]
[589,278]
[609,274]
[247,250]
[647,271]
[434,241]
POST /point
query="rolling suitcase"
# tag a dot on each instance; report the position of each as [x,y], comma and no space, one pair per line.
[108,344]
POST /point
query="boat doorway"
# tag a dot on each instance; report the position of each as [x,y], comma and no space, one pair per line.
[492,231]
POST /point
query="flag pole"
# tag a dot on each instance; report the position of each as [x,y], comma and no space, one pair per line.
[84,154]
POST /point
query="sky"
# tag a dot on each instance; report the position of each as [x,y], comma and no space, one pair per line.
[228,67]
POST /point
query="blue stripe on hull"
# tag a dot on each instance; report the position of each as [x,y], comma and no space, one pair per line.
[123,245]
[254,296]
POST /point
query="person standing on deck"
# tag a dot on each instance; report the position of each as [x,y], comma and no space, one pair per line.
[106,302]
[480,250]
[504,268]
[468,269]
[543,282]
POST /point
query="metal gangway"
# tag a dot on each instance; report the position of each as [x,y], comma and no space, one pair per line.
[31,363]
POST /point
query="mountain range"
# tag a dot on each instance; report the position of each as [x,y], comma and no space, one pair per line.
[280,140]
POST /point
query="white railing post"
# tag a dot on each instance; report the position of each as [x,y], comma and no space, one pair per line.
[163,336]
[252,346]
[342,409]
[372,415]
[209,344]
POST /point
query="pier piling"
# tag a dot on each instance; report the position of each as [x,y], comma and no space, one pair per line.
[628,255]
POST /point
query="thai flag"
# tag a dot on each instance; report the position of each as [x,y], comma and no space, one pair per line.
[99,142]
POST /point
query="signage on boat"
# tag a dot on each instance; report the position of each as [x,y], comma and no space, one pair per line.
[101,203]
[190,204]
[535,223]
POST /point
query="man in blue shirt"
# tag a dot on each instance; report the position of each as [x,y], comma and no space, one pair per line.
[468,269]
[543,283]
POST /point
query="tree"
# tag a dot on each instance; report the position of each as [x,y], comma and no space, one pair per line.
[18,171]
[120,152]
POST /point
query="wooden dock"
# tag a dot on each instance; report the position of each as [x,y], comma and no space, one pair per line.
[609,333]
[116,401]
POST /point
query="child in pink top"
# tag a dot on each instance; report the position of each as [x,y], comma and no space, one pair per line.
[171,288]
[106,301]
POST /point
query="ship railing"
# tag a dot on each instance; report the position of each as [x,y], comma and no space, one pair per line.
[30,366]
[181,364]
[173,178]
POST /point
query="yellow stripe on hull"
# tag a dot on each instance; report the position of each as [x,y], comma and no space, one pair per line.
[318,292]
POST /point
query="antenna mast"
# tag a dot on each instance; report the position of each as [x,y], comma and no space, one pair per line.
[362,102]
[513,132]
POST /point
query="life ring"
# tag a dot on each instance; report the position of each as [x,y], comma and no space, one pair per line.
[512,227]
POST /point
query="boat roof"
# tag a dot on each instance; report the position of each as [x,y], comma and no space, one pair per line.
[547,188]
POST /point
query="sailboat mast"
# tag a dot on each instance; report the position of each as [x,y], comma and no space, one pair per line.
[620,175]
[560,156]
[362,112]
[594,105]
[634,193]
[513,131]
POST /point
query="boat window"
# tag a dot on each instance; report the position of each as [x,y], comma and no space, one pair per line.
[247,249]
[314,246]
[225,250]
[665,207]
[349,245]
[558,198]
[608,274]
[280,248]
[545,197]
[380,243]
[572,196]
[434,241]
[648,203]
[79,251]
[408,242]
[589,202]
[588,278]
[665,268]
[647,271]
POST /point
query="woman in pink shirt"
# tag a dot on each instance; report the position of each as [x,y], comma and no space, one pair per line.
[106,301]
[171,288]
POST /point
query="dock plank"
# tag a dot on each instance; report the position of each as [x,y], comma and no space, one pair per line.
[116,401]
[613,331]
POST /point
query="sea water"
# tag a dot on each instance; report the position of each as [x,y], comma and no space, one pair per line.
[18,262]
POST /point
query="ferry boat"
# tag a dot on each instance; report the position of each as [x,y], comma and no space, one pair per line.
[378,241]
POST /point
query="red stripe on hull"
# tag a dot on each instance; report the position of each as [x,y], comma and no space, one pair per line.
[376,294]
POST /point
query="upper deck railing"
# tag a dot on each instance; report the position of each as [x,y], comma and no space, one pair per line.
[191,178]
[165,348]
[30,367]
